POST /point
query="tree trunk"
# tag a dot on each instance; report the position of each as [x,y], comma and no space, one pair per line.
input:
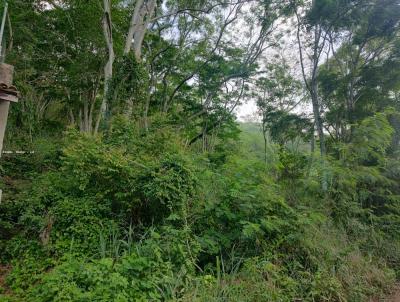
[71,117]
[350,107]
[140,20]
[264,130]
[86,115]
[147,104]
[132,26]
[312,87]
[318,122]
[108,68]
[150,7]
[312,139]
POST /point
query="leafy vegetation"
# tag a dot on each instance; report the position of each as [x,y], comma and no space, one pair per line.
[143,185]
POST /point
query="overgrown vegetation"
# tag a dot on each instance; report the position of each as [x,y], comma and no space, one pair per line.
[144,187]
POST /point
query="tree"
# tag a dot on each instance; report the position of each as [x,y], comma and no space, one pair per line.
[108,68]
[316,21]
[277,95]
[360,57]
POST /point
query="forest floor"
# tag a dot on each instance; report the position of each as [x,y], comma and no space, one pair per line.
[4,270]
[393,297]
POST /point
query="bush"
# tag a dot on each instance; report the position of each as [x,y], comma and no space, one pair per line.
[243,211]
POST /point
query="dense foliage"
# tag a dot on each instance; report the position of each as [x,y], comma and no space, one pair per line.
[143,186]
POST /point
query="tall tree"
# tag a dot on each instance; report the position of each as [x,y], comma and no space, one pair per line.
[316,21]
[366,42]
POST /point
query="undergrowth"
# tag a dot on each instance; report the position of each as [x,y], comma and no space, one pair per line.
[131,216]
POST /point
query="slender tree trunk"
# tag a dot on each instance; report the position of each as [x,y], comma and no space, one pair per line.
[140,20]
[150,7]
[71,117]
[350,107]
[312,86]
[264,130]
[314,90]
[132,26]
[91,109]
[147,104]
[108,68]
[165,98]
[318,123]
[81,127]
[85,115]
[312,139]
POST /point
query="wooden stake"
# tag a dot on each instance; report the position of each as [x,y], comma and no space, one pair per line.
[6,76]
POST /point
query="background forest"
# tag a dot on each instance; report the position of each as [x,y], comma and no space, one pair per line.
[143,186]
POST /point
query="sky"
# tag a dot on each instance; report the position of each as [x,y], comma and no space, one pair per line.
[248,108]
